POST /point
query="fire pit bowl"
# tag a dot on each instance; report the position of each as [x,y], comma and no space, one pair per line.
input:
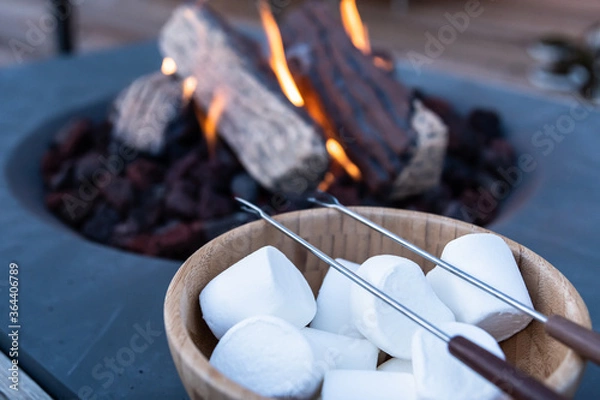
[191,342]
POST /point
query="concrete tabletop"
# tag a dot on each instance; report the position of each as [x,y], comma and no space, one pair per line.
[91,316]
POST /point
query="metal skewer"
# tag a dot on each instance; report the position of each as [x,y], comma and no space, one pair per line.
[334,203]
[503,375]
[584,341]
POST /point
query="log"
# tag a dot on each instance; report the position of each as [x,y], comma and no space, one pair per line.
[143,111]
[362,105]
[424,170]
[278,144]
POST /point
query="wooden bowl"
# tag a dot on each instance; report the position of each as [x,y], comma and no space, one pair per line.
[191,342]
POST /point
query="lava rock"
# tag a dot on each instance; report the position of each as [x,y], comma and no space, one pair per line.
[101,225]
[176,240]
[63,177]
[180,168]
[119,194]
[457,174]
[68,206]
[143,173]
[244,186]
[51,162]
[456,209]
[86,165]
[499,154]
[74,138]
[212,205]
[210,229]
[486,124]
[180,201]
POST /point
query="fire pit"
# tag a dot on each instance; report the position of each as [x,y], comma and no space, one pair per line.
[158,177]
[83,303]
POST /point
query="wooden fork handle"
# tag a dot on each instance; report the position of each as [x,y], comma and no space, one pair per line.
[503,375]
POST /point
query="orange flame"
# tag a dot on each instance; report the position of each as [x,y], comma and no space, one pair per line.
[168,66]
[327,181]
[336,151]
[210,122]
[278,61]
[354,26]
[189,86]
[382,63]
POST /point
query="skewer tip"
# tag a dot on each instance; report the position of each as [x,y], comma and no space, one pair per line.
[249,207]
[324,199]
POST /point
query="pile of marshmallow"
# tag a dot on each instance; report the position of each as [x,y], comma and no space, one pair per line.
[260,309]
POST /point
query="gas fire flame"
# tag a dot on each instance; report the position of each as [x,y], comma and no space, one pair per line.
[210,121]
[188,86]
[336,151]
[168,66]
[278,61]
[327,181]
[354,26]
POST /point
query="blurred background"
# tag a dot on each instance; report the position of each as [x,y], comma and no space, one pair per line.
[494,45]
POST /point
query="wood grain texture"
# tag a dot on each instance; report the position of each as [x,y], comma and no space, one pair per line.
[367,110]
[143,111]
[191,342]
[276,142]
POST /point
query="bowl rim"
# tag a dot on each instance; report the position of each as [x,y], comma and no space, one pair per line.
[565,378]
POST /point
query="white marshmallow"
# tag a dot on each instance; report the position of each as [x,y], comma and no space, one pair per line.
[371,385]
[488,258]
[396,365]
[263,283]
[441,376]
[268,356]
[405,282]
[333,303]
[341,352]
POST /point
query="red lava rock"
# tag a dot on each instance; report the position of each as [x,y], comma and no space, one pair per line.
[101,135]
[479,205]
[87,164]
[101,225]
[51,162]
[244,186]
[170,205]
[486,124]
[143,173]
[499,154]
[68,206]
[213,205]
[127,228]
[140,244]
[177,239]
[346,194]
[61,178]
[74,138]
[150,211]
[118,193]
[457,174]
[212,228]
[457,210]
[180,168]
[180,201]
[438,105]
[462,139]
